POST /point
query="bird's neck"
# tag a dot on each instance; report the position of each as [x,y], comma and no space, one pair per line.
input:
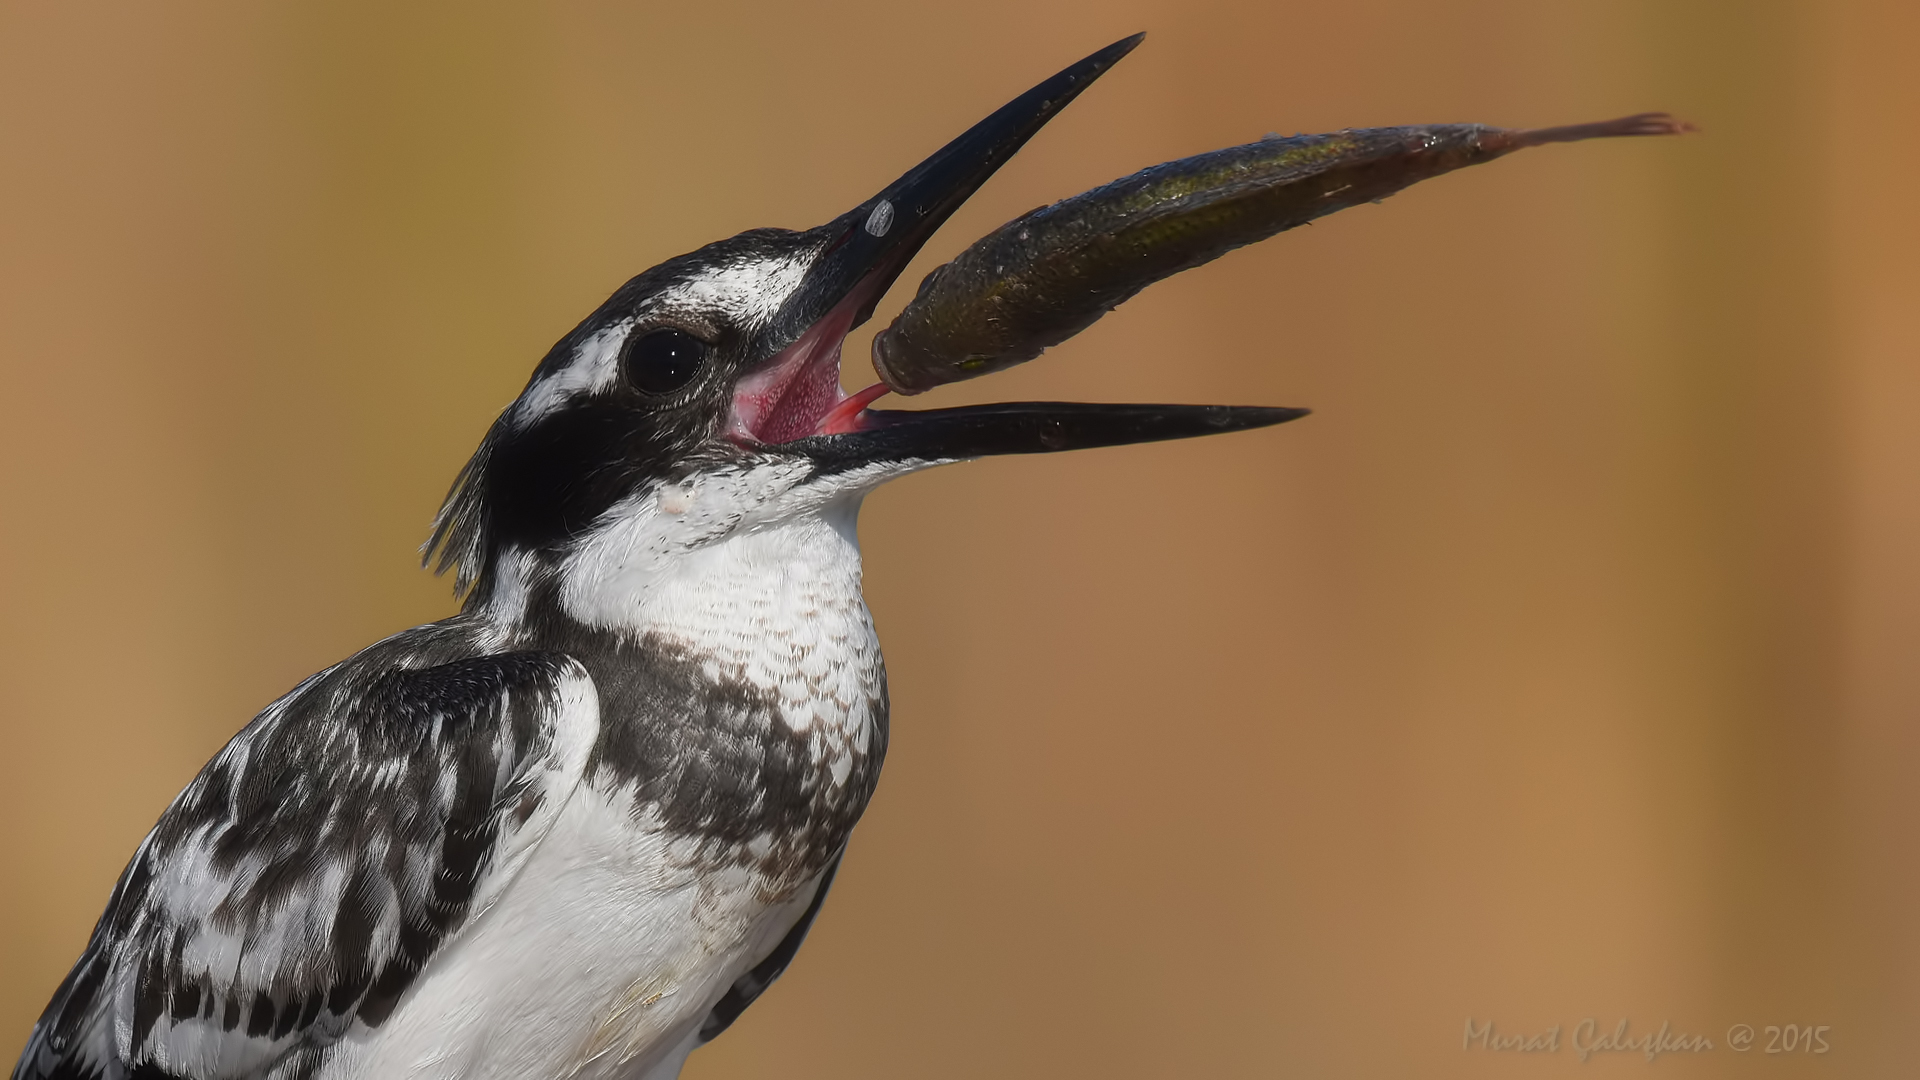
[748,660]
[760,596]
[774,600]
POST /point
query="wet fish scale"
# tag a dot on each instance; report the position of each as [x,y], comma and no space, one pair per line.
[1053,272]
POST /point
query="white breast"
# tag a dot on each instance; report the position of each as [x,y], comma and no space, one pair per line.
[600,962]
[756,571]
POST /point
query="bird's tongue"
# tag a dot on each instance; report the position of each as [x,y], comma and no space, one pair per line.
[787,398]
[797,393]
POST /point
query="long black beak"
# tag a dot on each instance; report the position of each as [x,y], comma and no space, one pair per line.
[1025,427]
[867,248]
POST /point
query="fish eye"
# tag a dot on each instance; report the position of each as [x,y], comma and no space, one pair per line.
[662,361]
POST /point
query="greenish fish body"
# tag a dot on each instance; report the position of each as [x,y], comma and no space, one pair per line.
[1050,274]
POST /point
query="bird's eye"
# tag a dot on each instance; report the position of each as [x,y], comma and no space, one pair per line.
[662,361]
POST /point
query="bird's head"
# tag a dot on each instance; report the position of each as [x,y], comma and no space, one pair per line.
[706,391]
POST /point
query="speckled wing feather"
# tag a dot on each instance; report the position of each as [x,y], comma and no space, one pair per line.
[294,890]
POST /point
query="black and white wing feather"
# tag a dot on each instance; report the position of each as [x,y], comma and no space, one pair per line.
[294,890]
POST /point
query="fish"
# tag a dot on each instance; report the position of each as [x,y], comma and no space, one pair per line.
[1051,273]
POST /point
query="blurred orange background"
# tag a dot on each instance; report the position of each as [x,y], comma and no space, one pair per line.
[1562,665]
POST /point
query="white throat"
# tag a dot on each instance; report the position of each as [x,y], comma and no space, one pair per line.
[689,560]
[755,571]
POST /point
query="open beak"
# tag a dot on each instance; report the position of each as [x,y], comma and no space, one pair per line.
[794,400]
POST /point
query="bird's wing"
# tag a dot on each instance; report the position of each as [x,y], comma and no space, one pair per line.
[296,887]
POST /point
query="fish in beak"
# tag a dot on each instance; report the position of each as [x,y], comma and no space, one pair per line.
[794,400]
[1049,274]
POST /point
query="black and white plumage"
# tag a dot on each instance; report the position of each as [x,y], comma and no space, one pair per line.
[574,830]
[300,883]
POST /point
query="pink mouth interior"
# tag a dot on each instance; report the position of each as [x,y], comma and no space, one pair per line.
[797,393]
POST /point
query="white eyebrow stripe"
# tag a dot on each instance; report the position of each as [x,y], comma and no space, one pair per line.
[747,292]
[594,366]
[752,289]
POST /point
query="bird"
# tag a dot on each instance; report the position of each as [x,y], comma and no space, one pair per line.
[577,828]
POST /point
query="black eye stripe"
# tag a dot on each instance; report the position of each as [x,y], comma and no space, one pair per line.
[662,361]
